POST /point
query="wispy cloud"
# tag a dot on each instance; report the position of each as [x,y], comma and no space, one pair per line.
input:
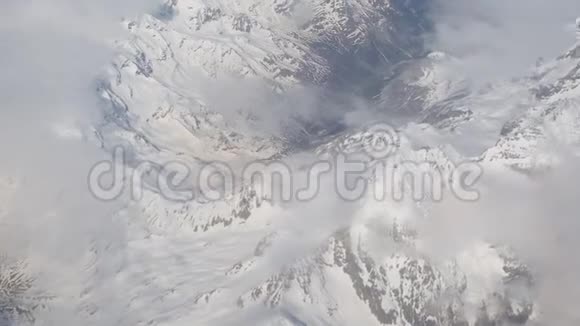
[51,53]
[499,39]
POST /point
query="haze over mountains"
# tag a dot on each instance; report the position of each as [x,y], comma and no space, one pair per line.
[490,83]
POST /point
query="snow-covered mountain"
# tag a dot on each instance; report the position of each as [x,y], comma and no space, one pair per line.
[176,65]
[244,80]
[368,270]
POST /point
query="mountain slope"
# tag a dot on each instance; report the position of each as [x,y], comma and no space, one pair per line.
[174,94]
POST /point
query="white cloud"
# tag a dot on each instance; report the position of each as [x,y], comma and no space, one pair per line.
[499,39]
[51,53]
[537,218]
